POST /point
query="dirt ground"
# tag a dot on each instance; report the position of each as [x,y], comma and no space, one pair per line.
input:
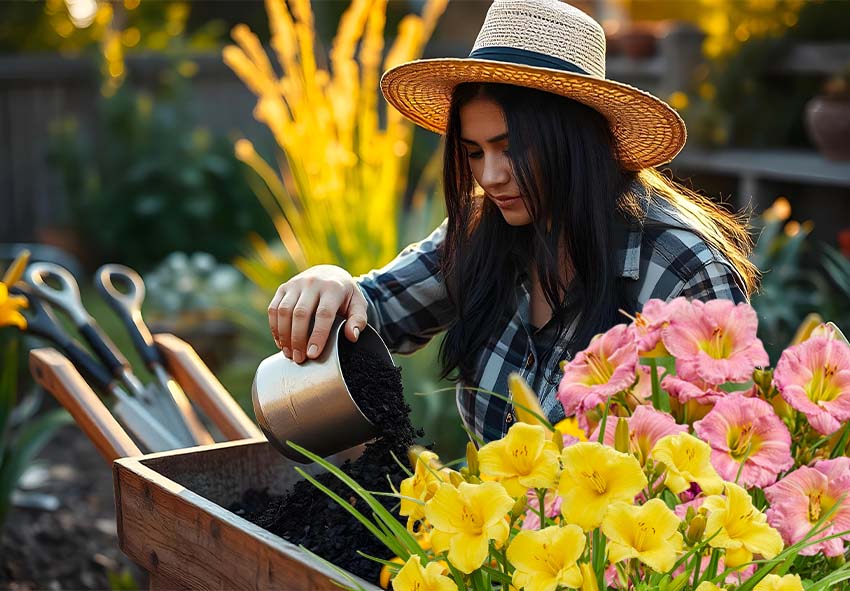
[75,546]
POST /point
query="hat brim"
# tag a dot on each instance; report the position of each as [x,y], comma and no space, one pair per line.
[647,131]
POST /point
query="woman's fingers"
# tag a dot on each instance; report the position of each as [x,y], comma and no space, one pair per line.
[329,304]
[302,314]
[355,315]
[283,317]
[273,312]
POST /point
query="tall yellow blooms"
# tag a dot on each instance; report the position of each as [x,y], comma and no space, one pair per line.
[545,560]
[741,528]
[648,532]
[525,458]
[777,583]
[594,477]
[336,196]
[465,519]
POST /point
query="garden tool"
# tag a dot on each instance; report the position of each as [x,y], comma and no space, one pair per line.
[310,403]
[56,374]
[128,306]
[131,411]
[67,298]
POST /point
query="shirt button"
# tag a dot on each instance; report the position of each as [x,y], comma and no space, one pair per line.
[530,361]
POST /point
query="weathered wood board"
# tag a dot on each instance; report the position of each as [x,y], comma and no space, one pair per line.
[173,521]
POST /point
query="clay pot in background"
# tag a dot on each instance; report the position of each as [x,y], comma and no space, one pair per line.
[638,40]
[828,126]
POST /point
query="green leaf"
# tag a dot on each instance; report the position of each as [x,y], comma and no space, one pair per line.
[21,452]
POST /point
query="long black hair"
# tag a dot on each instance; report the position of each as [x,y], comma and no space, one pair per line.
[564,161]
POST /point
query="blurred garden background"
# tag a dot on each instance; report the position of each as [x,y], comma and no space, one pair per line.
[219,147]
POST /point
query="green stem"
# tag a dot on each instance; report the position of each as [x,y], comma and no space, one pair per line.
[541,509]
[842,443]
[603,423]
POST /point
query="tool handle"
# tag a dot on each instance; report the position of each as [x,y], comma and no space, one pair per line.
[128,307]
[56,374]
[104,348]
[204,388]
[41,322]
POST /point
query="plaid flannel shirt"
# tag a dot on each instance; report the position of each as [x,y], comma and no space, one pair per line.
[408,305]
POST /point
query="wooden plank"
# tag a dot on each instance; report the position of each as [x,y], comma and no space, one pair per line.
[187,540]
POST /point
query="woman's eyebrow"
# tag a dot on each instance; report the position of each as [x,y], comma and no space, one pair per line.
[492,140]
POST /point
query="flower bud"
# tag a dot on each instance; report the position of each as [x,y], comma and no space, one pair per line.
[696,528]
[472,459]
[413,453]
[455,478]
[621,436]
[519,507]
[528,409]
[558,439]
[588,577]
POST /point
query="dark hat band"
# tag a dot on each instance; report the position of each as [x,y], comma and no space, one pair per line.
[526,58]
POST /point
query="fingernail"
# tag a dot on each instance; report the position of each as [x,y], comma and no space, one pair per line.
[296,355]
[356,332]
[287,352]
[312,350]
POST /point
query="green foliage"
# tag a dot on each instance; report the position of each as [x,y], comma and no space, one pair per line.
[154,182]
[798,278]
[20,438]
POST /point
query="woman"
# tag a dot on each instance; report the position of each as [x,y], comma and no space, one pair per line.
[557,221]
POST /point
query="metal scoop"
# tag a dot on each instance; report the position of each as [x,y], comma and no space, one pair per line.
[310,404]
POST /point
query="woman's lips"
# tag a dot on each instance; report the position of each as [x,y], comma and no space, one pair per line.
[506,203]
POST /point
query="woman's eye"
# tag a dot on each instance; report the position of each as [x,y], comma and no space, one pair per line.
[474,155]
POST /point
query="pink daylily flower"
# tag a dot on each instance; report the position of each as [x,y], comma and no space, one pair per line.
[814,378]
[745,432]
[599,372]
[715,341]
[646,427]
[798,501]
[697,390]
[647,324]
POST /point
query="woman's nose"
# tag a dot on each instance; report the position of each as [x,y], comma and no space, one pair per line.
[497,171]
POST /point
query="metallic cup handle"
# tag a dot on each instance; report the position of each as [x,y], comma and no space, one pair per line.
[310,404]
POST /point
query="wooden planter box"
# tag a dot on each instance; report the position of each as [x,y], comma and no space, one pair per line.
[173,521]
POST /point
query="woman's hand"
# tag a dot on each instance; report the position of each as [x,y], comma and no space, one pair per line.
[317,295]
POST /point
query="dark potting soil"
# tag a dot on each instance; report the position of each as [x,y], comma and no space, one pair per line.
[309,517]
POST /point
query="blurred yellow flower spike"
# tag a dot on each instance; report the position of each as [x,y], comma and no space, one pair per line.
[595,476]
[526,404]
[740,528]
[416,490]
[344,173]
[525,458]
[16,270]
[707,586]
[546,559]
[648,532]
[465,519]
[414,577]
[10,307]
[686,460]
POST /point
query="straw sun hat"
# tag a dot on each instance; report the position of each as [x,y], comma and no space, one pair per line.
[551,46]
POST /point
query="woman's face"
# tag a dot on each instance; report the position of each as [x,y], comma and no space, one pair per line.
[484,135]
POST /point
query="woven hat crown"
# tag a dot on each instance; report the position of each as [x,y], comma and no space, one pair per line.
[548,27]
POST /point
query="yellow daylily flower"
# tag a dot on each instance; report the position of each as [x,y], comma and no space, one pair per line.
[707,586]
[465,519]
[413,577]
[384,577]
[649,532]
[594,477]
[569,426]
[524,458]
[777,583]
[688,460]
[428,474]
[10,307]
[546,559]
[743,529]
